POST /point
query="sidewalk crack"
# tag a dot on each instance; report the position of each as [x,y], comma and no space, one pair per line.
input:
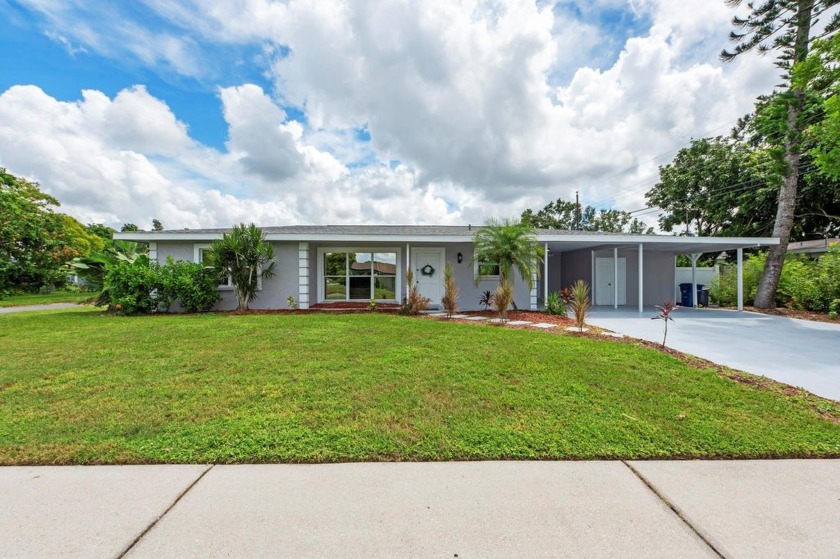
[674,509]
[180,496]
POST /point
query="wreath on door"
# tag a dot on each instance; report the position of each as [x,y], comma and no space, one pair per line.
[427,270]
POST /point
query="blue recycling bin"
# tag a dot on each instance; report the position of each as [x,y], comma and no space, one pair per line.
[685,295]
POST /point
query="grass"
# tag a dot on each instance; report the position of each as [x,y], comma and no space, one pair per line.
[45,298]
[81,387]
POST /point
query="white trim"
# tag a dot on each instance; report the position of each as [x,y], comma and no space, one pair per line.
[545,274]
[740,279]
[694,280]
[303,276]
[641,277]
[746,242]
[615,278]
[372,249]
[197,248]
[493,277]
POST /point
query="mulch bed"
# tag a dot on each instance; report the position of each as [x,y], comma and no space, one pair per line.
[795,313]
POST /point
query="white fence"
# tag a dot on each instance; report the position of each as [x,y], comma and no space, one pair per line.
[683,275]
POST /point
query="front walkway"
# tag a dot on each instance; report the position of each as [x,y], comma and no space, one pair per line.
[784,508]
[797,352]
[47,307]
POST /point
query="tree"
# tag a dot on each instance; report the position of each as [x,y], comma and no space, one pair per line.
[157,225]
[707,186]
[820,72]
[35,242]
[561,214]
[244,256]
[785,26]
[100,230]
[511,244]
[94,267]
[129,227]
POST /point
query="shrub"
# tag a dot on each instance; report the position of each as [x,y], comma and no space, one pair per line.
[415,303]
[580,302]
[555,304]
[486,299]
[134,288]
[664,315]
[293,305]
[245,256]
[502,298]
[723,289]
[190,283]
[450,291]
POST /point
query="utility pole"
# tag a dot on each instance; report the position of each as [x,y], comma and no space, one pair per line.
[577,210]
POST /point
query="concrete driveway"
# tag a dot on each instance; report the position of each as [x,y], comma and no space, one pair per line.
[796,352]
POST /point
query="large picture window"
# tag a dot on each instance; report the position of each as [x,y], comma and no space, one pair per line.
[360,276]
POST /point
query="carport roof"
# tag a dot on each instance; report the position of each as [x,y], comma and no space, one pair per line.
[558,240]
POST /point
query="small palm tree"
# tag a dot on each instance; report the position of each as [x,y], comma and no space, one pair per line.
[511,244]
[244,256]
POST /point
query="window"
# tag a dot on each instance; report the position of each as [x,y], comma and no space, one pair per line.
[359,276]
[487,270]
[200,256]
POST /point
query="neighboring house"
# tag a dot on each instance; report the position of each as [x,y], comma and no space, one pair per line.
[332,263]
[815,247]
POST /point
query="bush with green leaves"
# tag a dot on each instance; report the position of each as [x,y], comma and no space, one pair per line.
[134,288]
[805,283]
[194,286]
[555,304]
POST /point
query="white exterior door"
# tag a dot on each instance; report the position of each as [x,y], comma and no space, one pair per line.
[427,264]
[604,279]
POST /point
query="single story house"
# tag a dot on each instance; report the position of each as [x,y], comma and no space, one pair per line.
[320,264]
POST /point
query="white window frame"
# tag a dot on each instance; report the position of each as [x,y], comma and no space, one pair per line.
[320,279]
[197,249]
[477,266]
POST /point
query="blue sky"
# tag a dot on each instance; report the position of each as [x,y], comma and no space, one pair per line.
[427,111]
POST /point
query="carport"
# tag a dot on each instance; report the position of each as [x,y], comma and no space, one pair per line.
[631,270]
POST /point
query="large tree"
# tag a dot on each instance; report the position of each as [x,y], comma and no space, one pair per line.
[561,214]
[784,26]
[36,242]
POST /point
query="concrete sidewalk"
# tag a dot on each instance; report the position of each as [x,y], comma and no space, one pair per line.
[784,508]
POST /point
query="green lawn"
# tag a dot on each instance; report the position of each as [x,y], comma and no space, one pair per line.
[45,298]
[78,386]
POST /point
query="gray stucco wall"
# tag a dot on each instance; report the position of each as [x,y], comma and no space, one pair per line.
[274,291]
[658,271]
[469,293]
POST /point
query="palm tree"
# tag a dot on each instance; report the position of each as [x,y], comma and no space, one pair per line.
[244,256]
[511,244]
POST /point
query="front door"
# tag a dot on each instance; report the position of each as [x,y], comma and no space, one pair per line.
[427,264]
[605,278]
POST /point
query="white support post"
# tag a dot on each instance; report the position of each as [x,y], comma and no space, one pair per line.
[534,276]
[615,278]
[545,274]
[152,252]
[303,275]
[641,277]
[407,266]
[592,280]
[694,280]
[740,279]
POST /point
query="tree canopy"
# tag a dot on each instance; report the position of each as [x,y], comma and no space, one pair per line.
[36,242]
[561,214]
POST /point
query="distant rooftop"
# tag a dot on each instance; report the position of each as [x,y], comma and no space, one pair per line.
[817,245]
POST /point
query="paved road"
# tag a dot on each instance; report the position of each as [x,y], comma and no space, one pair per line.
[785,508]
[797,352]
[24,308]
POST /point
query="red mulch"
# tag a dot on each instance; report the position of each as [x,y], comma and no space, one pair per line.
[796,313]
[348,305]
[530,316]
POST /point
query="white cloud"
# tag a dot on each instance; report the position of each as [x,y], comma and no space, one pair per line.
[463,95]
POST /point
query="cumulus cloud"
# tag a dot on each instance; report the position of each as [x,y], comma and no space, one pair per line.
[468,109]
